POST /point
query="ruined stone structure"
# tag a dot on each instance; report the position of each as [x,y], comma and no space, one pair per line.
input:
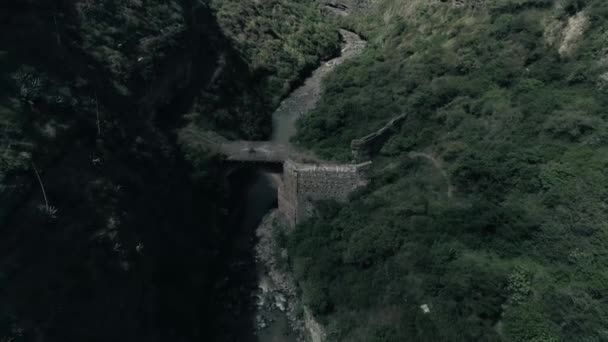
[368,146]
[306,180]
[304,183]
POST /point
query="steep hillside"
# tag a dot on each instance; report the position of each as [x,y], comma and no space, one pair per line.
[101,222]
[107,232]
[282,40]
[489,204]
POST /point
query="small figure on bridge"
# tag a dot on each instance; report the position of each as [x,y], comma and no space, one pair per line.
[251,150]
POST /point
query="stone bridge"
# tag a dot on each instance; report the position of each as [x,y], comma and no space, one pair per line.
[302,184]
[305,178]
[252,151]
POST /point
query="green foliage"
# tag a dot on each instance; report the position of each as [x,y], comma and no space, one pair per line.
[573,124]
[514,252]
[266,49]
[130,38]
[13,157]
[280,40]
[519,286]
[526,323]
[98,114]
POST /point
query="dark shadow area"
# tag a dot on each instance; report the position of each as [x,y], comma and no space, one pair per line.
[252,195]
[138,248]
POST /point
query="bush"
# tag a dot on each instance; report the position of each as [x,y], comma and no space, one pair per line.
[519,135]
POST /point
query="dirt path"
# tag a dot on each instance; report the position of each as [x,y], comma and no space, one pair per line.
[438,164]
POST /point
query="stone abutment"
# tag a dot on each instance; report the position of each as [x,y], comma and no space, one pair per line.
[302,184]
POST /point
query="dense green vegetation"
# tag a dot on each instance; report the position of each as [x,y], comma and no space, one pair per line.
[110,229]
[488,206]
[279,42]
[99,213]
[509,99]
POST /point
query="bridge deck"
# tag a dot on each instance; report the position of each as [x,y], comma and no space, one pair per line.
[247,151]
[254,151]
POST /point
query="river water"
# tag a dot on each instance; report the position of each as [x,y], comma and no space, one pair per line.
[261,316]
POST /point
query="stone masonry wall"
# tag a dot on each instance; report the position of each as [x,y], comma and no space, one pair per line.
[304,183]
[287,194]
[367,147]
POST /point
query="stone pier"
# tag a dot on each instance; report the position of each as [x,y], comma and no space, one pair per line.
[305,183]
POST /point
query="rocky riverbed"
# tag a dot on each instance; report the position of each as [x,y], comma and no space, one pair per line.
[279,315]
[276,297]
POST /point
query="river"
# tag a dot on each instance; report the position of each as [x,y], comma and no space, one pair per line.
[260,307]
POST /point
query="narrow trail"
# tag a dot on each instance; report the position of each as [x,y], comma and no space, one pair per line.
[438,164]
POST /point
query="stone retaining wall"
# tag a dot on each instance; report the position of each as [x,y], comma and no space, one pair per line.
[304,183]
[368,146]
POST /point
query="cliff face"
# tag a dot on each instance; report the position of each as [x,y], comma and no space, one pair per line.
[488,193]
[106,234]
